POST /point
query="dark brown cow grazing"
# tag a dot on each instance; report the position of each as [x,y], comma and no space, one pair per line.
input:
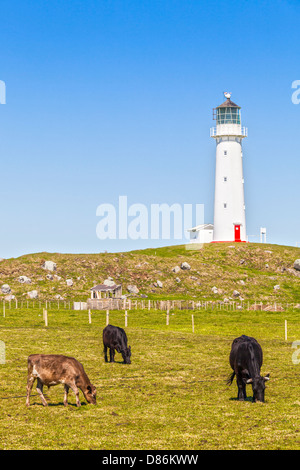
[54,369]
[115,338]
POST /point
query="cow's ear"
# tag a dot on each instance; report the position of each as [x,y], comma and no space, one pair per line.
[267,377]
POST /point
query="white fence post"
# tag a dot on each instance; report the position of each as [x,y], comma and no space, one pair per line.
[285,329]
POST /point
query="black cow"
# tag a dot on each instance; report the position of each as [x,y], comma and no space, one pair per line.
[246,358]
[115,338]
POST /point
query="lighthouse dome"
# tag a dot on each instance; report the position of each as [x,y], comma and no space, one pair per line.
[228,112]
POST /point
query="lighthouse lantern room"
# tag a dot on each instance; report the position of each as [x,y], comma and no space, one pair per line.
[229,204]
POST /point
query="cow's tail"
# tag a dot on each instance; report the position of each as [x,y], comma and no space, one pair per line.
[230,378]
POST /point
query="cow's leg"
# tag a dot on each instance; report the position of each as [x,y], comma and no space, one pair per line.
[105,354]
[66,395]
[112,354]
[241,389]
[76,391]
[39,388]
[30,382]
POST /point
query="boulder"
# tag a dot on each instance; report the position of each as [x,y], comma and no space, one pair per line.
[49,277]
[177,279]
[33,294]
[5,289]
[9,297]
[277,287]
[69,282]
[109,282]
[49,266]
[159,284]
[297,265]
[24,280]
[132,289]
[185,266]
[235,293]
[176,269]
[215,290]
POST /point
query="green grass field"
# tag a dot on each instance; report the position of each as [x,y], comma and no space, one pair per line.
[172,397]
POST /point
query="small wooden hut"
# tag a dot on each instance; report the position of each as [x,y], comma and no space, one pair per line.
[105,297]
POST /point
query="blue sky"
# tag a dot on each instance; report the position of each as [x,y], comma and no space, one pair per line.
[110,98]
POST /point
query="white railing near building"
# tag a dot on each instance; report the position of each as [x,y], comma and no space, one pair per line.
[226,129]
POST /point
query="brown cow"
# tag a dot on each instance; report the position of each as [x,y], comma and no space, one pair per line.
[54,369]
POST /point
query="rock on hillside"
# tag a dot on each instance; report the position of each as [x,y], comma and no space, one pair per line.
[24,280]
[49,266]
[185,265]
[33,294]
[132,289]
[5,289]
[297,264]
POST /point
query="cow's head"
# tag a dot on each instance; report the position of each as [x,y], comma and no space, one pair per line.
[258,387]
[126,353]
[90,394]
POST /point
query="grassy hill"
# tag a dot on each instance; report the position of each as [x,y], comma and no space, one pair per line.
[251,269]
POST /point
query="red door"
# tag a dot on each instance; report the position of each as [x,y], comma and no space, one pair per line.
[237,233]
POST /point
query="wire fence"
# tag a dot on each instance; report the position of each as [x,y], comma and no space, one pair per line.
[205,318]
[137,304]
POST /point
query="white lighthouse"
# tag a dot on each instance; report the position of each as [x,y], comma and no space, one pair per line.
[229,206]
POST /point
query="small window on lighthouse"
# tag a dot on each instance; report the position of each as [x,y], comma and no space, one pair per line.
[225,178]
[225,205]
[225,152]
